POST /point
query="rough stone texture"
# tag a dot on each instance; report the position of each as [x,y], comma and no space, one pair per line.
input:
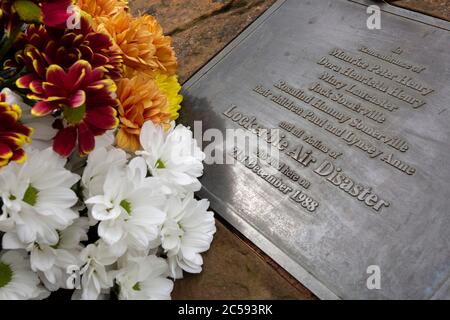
[437,8]
[180,14]
[233,268]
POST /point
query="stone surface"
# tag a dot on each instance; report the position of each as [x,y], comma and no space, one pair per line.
[178,15]
[437,8]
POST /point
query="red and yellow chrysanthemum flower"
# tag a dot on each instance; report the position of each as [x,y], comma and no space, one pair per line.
[13,135]
[44,46]
[82,98]
[70,75]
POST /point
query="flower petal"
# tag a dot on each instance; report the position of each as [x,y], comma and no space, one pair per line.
[65,140]
[77,100]
[86,139]
[103,118]
[42,108]
[56,13]
[24,82]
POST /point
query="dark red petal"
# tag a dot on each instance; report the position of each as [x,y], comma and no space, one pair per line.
[5,151]
[55,14]
[99,40]
[77,73]
[103,118]
[55,75]
[86,52]
[86,140]
[43,108]
[77,99]
[24,82]
[36,87]
[52,90]
[65,140]
[19,155]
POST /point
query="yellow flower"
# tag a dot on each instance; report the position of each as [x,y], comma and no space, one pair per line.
[141,41]
[140,100]
[171,88]
[102,8]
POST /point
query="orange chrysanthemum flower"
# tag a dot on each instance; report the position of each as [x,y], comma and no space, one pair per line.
[163,44]
[141,41]
[102,8]
[140,100]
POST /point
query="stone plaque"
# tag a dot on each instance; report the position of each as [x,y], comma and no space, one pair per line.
[358,205]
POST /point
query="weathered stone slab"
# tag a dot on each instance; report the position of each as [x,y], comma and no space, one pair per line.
[365,146]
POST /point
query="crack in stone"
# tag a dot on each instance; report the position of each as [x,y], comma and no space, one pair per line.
[229,7]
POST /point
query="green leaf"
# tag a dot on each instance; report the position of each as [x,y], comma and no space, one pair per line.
[28,11]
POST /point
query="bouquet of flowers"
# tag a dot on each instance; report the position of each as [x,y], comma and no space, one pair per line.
[96,181]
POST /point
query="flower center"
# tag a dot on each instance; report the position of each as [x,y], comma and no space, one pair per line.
[126,205]
[55,246]
[160,164]
[137,287]
[30,195]
[74,115]
[6,274]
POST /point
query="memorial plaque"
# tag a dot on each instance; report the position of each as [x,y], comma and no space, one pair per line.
[358,205]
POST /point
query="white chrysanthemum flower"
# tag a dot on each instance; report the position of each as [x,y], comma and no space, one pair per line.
[53,262]
[172,155]
[67,255]
[17,281]
[95,277]
[37,197]
[43,132]
[128,208]
[187,232]
[143,278]
[99,162]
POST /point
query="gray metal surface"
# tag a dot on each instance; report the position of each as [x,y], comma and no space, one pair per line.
[395,141]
